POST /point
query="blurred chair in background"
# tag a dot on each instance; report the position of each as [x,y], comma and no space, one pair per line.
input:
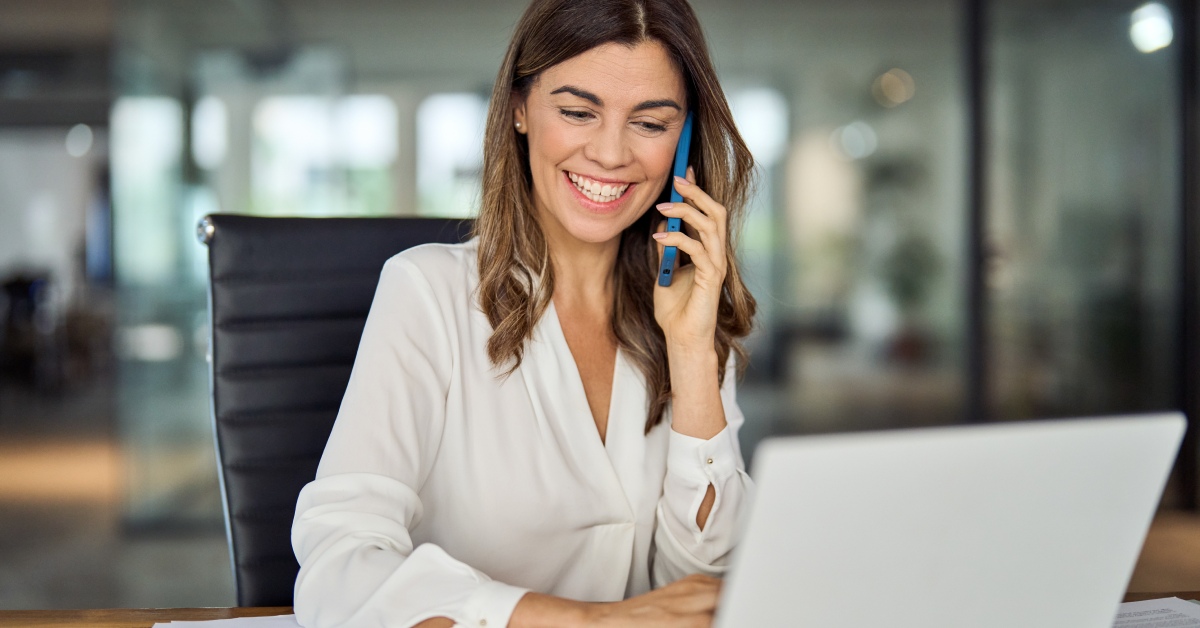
[287,303]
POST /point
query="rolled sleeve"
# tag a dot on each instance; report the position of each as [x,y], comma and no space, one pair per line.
[491,605]
[694,464]
[697,462]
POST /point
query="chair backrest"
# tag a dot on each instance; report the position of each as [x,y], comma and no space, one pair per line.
[288,298]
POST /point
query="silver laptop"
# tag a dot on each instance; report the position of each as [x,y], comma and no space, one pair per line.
[1004,525]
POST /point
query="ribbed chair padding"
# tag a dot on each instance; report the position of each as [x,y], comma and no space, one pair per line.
[287,301]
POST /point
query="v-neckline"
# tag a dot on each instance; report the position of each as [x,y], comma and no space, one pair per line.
[578,377]
[556,390]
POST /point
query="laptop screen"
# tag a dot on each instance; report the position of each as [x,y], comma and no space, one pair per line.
[1020,524]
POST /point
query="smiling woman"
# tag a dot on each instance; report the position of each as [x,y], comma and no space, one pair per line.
[514,249]
[598,158]
[535,433]
[600,152]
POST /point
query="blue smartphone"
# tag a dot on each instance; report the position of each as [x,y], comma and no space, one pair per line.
[670,253]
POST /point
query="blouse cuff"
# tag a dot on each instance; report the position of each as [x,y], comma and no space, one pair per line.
[702,462]
[491,605]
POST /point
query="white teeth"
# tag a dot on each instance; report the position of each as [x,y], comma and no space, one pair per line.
[596,191]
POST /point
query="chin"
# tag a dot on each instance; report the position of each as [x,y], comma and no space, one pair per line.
[594,233]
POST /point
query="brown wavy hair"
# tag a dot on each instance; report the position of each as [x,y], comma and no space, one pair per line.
[516,277]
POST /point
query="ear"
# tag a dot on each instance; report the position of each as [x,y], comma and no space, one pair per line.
[519,114]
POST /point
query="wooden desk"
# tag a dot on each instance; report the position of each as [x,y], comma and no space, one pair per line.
[147,617]
[128,617]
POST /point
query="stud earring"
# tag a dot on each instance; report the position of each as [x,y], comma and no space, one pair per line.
[518,126]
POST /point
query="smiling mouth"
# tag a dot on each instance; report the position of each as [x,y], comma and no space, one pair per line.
[597,191]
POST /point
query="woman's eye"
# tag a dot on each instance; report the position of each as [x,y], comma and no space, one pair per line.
[575,115]
[652,127]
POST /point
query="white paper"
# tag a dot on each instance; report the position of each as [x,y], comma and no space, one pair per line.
[274,621]
[1170,612]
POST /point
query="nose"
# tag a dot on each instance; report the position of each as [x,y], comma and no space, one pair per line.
[608,147]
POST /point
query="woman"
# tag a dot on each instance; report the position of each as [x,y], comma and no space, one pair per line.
[534,432]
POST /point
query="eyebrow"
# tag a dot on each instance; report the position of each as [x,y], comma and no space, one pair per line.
[594,99]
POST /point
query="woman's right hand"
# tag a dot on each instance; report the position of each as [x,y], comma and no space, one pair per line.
[688,602]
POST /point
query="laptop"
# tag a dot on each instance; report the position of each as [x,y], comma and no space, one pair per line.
[1030,525]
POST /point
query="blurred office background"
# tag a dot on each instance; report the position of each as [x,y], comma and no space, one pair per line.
[969,210]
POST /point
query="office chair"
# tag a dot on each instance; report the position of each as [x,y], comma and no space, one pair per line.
[288,298]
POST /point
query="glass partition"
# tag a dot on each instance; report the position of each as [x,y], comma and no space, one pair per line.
[1084,219]
[855,241]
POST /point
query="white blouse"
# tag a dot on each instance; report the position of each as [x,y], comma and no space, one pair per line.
[447,489]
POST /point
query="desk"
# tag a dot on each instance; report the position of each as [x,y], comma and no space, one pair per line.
[146,617]
[128,617]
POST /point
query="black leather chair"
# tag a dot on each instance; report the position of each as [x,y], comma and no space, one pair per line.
[287,301]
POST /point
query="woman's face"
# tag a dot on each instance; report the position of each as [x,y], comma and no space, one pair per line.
[602,129]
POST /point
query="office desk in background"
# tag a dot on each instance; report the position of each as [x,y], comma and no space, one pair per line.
[147,617]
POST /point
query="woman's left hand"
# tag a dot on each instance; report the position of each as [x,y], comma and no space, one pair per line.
[687,309]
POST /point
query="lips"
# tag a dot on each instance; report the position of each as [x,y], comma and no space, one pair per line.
[598,191]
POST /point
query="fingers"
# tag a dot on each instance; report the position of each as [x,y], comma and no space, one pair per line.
[706,229]
[699,577]
[687,602]
[703,262]
[703,584]
[699,199]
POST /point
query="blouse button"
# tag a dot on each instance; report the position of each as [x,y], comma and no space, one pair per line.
[483,622]
[710,461]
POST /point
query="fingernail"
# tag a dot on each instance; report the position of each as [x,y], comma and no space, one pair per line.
[682,181]
[659,235]
[662,206]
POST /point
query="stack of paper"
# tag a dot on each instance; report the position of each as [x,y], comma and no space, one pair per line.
[1170,612]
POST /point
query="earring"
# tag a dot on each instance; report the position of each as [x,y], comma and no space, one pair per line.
[518,126]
